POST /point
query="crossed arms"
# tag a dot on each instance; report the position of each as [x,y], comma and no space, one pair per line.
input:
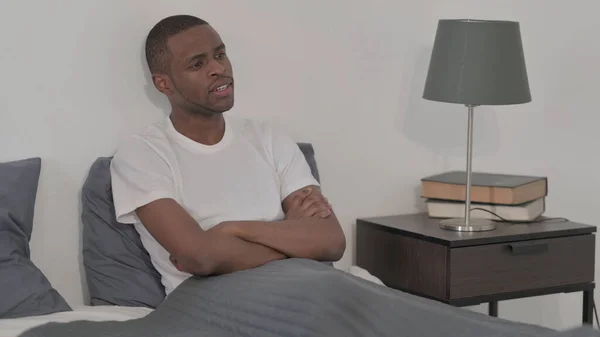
[310,230]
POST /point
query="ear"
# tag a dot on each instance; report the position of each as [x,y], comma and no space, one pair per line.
[162,84]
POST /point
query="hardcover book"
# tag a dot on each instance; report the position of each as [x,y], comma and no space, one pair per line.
[490,188]
[528,211]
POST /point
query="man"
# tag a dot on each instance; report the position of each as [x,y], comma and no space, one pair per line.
[208,193]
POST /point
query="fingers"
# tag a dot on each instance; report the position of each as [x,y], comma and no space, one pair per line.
[318,208]
[297,201]
[324,214]
[175,263]
[300,197]
[319,212]
[311,200]
[307,204]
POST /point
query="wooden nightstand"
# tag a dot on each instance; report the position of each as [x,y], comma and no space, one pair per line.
[411,253]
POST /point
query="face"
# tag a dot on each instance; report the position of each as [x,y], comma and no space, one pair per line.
[200,79]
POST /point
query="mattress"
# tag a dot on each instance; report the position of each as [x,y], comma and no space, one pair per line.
[15,326]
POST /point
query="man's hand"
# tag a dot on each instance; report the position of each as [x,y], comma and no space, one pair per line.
[297,235]
[306,204]
[176,264]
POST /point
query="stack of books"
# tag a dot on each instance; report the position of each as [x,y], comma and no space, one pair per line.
[504,196]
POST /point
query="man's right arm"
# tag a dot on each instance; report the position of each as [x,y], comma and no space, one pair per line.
[197,251]
[144,190]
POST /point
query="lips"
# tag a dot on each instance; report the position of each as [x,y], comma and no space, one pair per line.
[222,91]
[221,86]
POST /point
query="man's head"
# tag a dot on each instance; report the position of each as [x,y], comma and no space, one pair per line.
[188,63]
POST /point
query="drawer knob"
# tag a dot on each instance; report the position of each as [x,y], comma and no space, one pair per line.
[527,248]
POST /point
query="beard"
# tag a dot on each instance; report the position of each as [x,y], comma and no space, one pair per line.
[193,107]
[198,109]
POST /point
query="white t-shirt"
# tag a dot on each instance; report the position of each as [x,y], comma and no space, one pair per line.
[245,176]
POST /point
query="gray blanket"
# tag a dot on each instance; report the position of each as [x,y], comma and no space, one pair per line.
[298,297]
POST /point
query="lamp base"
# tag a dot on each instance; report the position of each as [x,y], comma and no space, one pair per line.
[475,225]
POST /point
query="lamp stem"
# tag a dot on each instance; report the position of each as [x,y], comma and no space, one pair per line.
[469,164]
[467,224]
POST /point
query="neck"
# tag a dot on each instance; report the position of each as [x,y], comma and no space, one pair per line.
[204,129]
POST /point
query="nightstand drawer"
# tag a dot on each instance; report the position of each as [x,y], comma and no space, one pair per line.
[520,265]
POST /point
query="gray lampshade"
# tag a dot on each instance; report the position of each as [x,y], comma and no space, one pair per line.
[477,62]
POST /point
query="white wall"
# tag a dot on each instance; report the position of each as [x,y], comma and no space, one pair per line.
[344,75]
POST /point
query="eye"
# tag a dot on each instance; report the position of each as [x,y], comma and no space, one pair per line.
[221,55]
[197,65]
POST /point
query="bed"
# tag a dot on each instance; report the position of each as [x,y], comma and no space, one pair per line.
[15,326]
[292,297]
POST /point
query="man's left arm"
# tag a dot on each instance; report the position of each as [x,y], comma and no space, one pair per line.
[309,230]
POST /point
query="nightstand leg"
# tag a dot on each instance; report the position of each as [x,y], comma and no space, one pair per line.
[588,306]
[493,308]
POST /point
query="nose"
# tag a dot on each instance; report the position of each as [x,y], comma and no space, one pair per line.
[216,68]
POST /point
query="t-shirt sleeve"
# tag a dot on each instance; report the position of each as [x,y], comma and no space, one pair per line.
[291,165]
[139,175]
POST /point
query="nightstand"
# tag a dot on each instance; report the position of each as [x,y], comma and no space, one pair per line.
[411,253]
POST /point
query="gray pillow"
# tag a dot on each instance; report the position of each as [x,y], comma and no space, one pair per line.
[118,268]
[24,289]
[309,153]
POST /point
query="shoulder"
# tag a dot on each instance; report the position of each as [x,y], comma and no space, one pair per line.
[144,146]
[132,146]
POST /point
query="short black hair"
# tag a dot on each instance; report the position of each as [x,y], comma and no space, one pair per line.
[157,51]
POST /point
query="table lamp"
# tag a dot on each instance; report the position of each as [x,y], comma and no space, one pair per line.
[476,62]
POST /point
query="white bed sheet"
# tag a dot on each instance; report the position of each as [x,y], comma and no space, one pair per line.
[15,326]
